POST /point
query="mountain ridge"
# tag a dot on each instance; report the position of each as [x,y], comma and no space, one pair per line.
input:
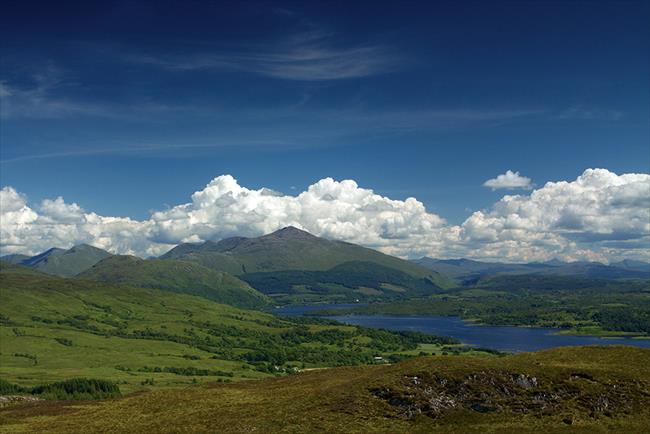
[61,262]
[303,245]
[182,277]
[467,271]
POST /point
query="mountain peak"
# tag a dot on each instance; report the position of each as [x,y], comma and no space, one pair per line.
[291,232]
[43,256]
[85,248]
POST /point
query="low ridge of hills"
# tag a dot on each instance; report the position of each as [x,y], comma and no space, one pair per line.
[467,271]
[176,276]
[15,258]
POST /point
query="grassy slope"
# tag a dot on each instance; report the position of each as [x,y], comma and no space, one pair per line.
[95,354]
[177,276]
[595,389]
[348,282]
[54,329]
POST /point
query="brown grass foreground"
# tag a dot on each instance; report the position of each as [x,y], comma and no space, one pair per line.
[586,389]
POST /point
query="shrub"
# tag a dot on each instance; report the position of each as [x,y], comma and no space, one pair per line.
[6,388]
[64,341]
[78,389]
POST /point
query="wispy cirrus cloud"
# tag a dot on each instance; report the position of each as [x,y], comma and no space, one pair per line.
[304,57]
[46,98]
[38,99]
[589,113]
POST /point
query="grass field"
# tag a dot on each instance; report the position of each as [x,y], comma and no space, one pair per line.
[585,390]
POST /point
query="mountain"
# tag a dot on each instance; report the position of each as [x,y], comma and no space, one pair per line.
[629,264]
[467,271]
[292,262]
[64,263]
[14,258]
[41,258]
[572,389]
[176,276]
[287,249]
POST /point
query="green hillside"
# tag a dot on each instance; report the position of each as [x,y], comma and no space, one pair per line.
[66,263]
[292,249]
[585,390]
[347,282]
[54,329]
[177,276]
[8,267]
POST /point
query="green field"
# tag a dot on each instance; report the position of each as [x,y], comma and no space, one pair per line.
[585,390]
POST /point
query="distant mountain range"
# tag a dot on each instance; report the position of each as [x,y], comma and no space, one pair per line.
[60,262]
[289,265]
[467,271]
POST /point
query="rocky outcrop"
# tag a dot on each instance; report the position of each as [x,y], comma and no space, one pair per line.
[6,400]
[577,394]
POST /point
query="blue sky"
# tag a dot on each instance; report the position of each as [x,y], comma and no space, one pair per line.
[126,107]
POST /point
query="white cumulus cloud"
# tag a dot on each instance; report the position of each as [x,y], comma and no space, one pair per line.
[598,216]
[509,180]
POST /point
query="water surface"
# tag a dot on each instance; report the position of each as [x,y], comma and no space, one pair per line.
[513,339]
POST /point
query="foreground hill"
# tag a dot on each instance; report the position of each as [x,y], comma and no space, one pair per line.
[588,389]
[60,262]
[177,276]
[467,271]
[306,268]
[54,329]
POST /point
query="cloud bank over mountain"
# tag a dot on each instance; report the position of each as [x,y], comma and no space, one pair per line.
[598,216]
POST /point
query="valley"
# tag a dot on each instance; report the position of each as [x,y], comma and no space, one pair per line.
[224,321]
[297,217]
